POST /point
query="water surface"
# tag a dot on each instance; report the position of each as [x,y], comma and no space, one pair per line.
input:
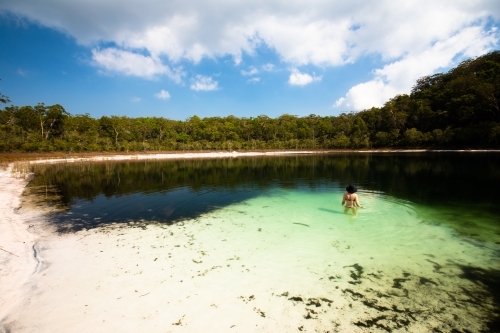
[423,251]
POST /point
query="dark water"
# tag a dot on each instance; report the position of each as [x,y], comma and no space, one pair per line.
[91,194]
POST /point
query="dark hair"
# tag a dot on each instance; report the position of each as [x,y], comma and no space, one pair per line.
[351,189]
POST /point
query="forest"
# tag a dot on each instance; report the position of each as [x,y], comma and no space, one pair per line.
[457,109]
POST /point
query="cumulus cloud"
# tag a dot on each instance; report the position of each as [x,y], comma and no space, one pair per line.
[315,32]
[399,76]
[150,38]
[204,83]
[163,94]
[134,64]
[301,79]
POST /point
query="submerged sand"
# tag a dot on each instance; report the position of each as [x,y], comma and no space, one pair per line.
[228,271]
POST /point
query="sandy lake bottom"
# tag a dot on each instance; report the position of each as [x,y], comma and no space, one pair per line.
[287,260]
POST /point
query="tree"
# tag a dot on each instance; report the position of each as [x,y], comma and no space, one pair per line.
[311,121]
[413,137]
[457,108]
[41,111]
[4,99]
[26,117]
[82,131]
[112,127]
[55,115]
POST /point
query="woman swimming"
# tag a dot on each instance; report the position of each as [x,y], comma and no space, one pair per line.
[350,199]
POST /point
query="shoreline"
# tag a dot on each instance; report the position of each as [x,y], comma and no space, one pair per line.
[57,157]
[18,240]
[117,278]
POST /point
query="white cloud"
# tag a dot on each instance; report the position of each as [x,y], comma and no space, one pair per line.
[134,64]
[399,76]
[254,80]
[135,99]
[250,72]
[152,37]
[163,94]
[317,32]
[301,79]
[366,95]
[204,83]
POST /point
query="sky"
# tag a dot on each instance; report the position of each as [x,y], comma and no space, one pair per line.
[178,58]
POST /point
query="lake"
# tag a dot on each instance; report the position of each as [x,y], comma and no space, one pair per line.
[423,254]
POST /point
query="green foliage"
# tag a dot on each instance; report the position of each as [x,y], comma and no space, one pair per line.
[469,93]
[458,108]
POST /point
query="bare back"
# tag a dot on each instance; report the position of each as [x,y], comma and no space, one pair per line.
[351,200]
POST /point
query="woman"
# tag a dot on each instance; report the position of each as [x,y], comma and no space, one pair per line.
[350,199]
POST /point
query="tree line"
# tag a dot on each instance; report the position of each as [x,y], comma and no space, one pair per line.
[460,108]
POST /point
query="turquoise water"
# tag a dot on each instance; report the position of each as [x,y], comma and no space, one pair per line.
[422,255]
[386,268]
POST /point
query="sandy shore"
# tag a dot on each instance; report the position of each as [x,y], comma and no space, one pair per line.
[167,156]
[58,158]
[201,276]
[117,279]
[17,262]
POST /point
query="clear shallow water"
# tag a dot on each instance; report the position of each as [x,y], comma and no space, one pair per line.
[425,249]
[385,269]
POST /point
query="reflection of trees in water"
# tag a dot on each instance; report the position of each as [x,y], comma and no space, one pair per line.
[423,178]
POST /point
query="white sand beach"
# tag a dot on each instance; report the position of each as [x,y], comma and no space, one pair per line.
[205,276]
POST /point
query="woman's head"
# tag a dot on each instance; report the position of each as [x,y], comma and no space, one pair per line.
[351,189]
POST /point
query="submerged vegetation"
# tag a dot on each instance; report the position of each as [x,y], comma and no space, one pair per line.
[460,108]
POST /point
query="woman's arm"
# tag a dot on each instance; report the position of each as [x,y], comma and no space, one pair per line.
[357,201]
[343,199]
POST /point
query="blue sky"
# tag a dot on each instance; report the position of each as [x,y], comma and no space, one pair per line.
[208,58]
